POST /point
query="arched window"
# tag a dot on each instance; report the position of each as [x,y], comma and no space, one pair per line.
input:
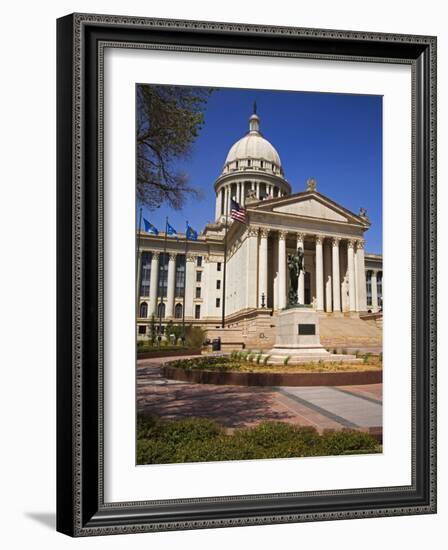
[178,311]
[161,310]
[143,310]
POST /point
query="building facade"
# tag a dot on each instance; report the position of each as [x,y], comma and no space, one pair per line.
[190,280]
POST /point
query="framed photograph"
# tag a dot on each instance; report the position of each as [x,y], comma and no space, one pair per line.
[246,274]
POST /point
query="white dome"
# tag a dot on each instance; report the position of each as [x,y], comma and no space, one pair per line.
[253,146]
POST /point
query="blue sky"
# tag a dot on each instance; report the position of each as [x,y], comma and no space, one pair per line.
[335,138]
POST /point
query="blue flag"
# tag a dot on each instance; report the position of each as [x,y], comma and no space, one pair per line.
[171,231]
[149,228]
[191,233]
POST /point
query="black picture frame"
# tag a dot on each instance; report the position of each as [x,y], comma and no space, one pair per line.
[81,510]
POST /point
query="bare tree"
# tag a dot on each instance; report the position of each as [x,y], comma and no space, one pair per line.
[169,119]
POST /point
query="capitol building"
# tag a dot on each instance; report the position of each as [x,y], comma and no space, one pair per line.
[239,299]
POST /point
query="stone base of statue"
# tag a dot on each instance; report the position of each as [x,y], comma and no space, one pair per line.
[298,338]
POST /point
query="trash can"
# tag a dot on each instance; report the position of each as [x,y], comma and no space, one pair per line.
[216,344]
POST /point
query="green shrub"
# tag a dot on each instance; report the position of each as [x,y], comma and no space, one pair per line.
[258,359]
[286,360]
[335,351]
[266,359]
[195,336]
[344,441]
[344,351]
[197,440]
[357,353]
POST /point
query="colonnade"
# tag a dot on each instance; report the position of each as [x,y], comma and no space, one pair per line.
[154,282]
[239,191]
[328,288]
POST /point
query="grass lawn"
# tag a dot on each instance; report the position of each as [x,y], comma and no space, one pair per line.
[201,440]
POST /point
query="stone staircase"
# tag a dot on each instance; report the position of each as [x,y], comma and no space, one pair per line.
[345,333]
[351,333]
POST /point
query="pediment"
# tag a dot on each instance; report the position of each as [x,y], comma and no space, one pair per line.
[310,205]
[311,208]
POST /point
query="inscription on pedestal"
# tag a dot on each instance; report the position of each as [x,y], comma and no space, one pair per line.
[307,329]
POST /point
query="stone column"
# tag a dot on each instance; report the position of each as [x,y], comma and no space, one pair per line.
[374,285]
[328,277]
[169,312]
[282,269]
[258,190]
[275,273]
[263,267]
[361,279]
[319,275]
[336,277]
[301,281]
[243,193]
[351,275]
[152,310]
[139,277]
[217,209]
[252,267]
[189,285]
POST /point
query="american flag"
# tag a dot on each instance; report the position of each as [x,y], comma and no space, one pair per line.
[237,212]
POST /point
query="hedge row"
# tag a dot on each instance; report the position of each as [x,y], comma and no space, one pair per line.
[199,440]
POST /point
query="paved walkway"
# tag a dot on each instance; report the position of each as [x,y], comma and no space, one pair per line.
[236,406]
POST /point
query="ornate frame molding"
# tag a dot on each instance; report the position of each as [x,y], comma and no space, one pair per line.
[81,42]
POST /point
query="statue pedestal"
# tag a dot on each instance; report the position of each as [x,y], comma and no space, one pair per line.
[298,337]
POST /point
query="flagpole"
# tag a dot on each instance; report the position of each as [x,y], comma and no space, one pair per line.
[223,309]
[161,289]
[185,285]
[138,266]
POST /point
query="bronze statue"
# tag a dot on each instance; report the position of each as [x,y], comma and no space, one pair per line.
[295,267]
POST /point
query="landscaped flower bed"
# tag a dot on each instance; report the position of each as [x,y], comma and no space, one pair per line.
[199,440]
[257,363]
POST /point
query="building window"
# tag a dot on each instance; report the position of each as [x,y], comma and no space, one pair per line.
[197,312]
[369,288]
[199,261]
[145,273]
[198,276]
[178,311]
[261,164]
[248,162]
[218,284]
[163,274]
[198,292]
[218,302]
[144,310]
[218,266]
[142,329]
[161,310]
[379,286]
[180,274]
